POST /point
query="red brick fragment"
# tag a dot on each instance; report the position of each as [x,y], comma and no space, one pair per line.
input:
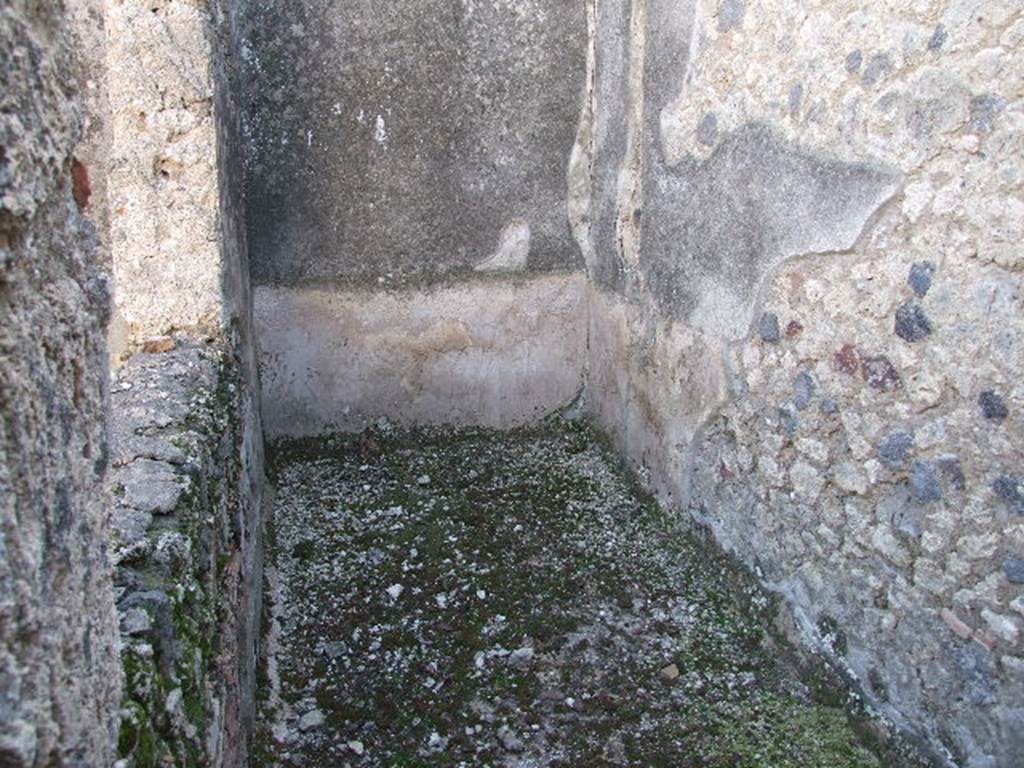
[848,359]
[81,189]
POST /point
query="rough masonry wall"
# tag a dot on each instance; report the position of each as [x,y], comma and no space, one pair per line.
[162,185]
[238,334]
[179,258]
[807,321]
[181,548]
[59,674]
[406,184]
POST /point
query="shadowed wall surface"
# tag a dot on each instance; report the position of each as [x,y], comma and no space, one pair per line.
[391,142]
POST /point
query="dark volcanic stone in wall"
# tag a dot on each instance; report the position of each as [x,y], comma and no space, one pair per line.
[394,142]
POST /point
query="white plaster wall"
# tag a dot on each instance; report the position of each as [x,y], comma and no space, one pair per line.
[485,353]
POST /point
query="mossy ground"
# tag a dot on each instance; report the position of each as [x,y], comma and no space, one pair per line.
[474,598]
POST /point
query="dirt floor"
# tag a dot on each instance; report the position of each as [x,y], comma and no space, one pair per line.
[513,599]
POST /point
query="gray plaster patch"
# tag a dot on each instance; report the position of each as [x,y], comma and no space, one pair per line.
[713,229]
[393,142]
[610,138]
[493,352]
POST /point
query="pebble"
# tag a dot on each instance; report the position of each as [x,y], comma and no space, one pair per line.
[1010,488]
[312,719]
[912,324]
[135,621]
[670,673]
[893,448]
[509,740]
[993,407]
[880,373]
[920,278]
[356,748]
[803,390]
[768,328]
[924,480]
[1013,567]
[521,658]
[437,742]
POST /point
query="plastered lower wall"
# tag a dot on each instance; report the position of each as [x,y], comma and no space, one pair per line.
[803,222]
[495,353]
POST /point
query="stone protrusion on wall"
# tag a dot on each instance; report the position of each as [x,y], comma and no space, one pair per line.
[179,546]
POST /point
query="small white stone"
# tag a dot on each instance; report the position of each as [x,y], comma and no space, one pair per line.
[395,591]
[850,478]
[436,741]
[1003,627]
[520,657]
[814,449]
[1014,664]
[423,480]
[807,480]
[356,747]
[885,542]
[1018,605]
[311,720]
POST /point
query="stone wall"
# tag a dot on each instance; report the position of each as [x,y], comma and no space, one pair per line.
[59,675]
[180,546]
[190,569]
[162,173]
[803,226]
[406,167]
